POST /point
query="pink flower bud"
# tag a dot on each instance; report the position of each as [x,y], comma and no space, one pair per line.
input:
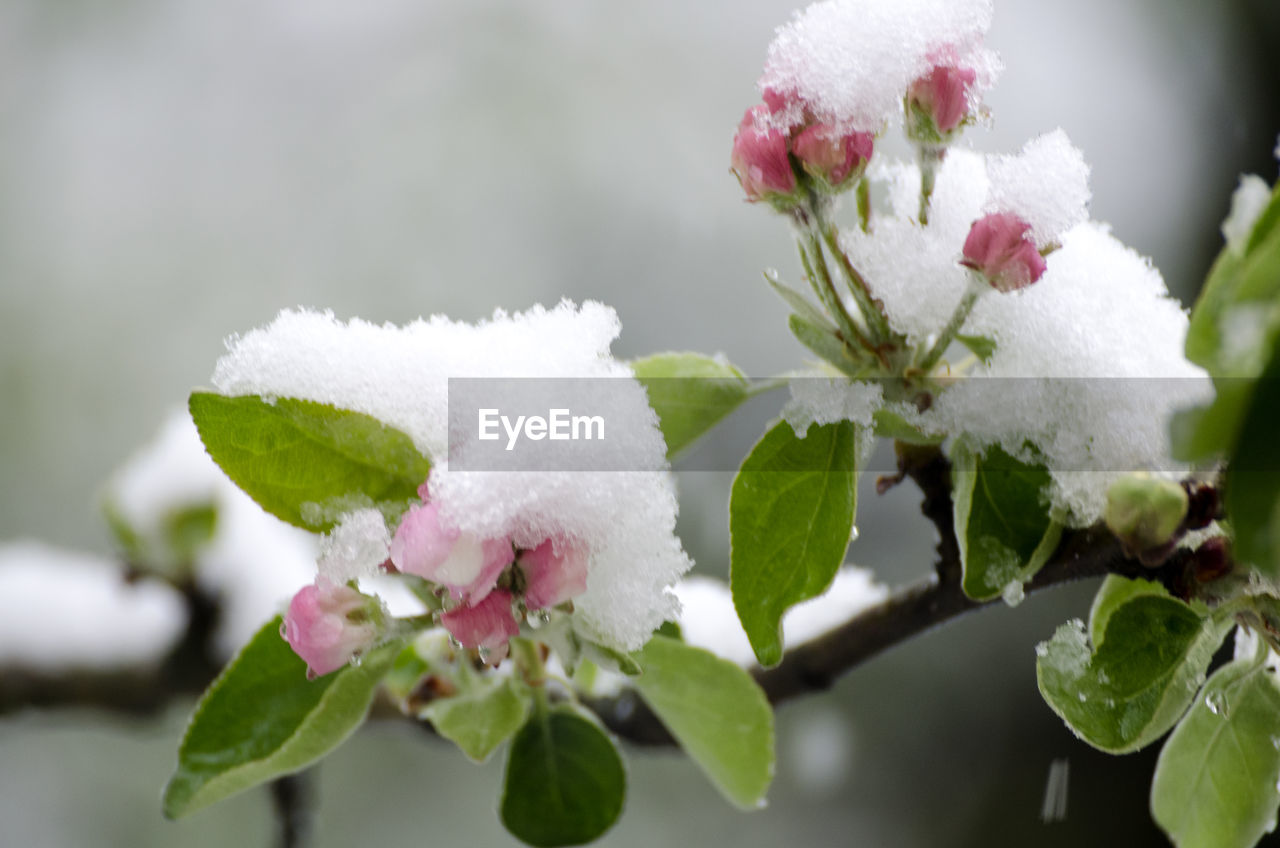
[831,157]
[329,623]
[1000,248]
[467,566]
[760,160]
[940,96]
[555,571]
[486,625]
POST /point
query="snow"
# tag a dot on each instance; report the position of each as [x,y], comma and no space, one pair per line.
[816,400]
[708,619]
[1089,360]
[1247,203]
[1046,185]
[62,610]
[401,376]
[356,546]
[851,61]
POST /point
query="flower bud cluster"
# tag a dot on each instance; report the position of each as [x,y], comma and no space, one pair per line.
[483,579]
[776,162]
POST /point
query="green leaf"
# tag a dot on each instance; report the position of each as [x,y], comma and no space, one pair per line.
[1115,592]
[1253,477]
[262,718]
[1129,690]
[1215,784]
[480,720]
[690,393]
[824,341]
[307,463]
[799,304]
[980,346]
[1002,520]
[790,515]
[189,529]
[716,711]
[565,783]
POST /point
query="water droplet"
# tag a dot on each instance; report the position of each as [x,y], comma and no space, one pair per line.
[1217,703]
[1082,697]
[355,660]
[544,616]
[283,633]
[853,533]
[1275,742]
[311,675]
[483,653]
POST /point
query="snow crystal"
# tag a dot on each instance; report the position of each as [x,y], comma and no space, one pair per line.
[851,61]
[401,376]
[823,401]
[1046,185]
[64,610]
[253,564]
[1247,203]
[708,619]
[355,547]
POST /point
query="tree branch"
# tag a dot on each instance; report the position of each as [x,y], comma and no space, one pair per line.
[810,667]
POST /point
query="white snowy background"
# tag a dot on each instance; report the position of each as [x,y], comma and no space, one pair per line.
[172,172]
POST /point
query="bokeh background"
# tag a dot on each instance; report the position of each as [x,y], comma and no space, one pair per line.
[173,171]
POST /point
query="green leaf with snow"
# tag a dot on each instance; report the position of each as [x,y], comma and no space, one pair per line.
[307,463]
[1127,691]
[564,783]
[716,711]
[690,392]
[891,424]
[1002,520]
[481,719]
[1215,784]
[262,718]
[790,515]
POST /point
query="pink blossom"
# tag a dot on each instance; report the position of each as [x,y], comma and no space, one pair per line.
[467,566]
[834,158]
[760,159]
[486,625]
[555,571]
[1000,248]
[943,96]
[328,623]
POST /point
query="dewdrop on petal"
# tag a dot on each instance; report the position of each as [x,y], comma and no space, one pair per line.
[328,624]
[486,626]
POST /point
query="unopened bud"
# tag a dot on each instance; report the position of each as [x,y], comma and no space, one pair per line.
[938,103]
[1145,513]
[329,623]
[760,160]
[1000,248]
[834,160]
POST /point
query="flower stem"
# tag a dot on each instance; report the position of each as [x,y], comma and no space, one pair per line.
[815,268]
[871,310]
[948,334]
[864,203]
[931,157]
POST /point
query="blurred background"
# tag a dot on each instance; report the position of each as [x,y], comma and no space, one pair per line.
[174,171]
